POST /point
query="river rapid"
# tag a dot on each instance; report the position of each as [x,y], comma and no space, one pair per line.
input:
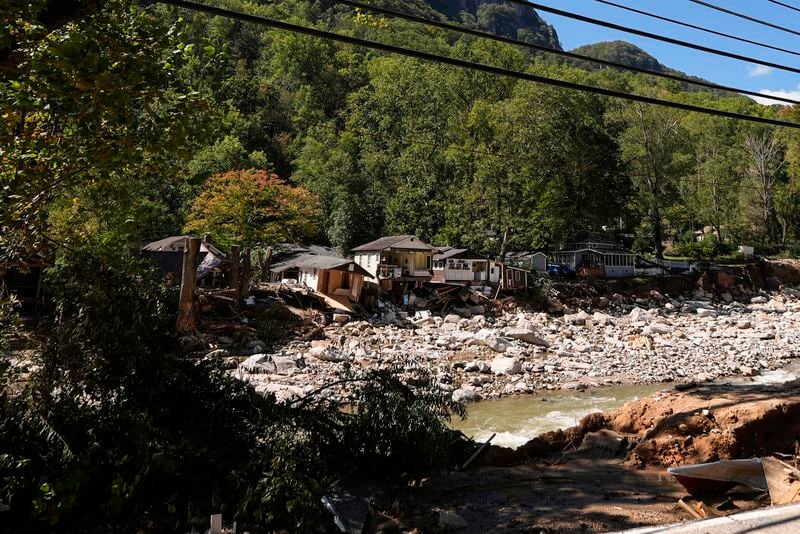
[517,420]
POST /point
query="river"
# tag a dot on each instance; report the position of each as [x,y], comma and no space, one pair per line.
[516,420]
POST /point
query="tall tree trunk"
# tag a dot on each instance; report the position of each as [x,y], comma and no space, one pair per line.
[658,232]
[186,315]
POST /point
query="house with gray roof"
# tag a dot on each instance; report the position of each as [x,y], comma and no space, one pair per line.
[167,255]
[396,258]
[337,279]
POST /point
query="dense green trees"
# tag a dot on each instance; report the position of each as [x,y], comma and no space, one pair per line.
[388,144]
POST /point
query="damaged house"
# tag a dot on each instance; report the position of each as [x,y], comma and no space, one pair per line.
[403,258]
[460,266]
[508,277]
[530,261]
[167,255]
[337,280]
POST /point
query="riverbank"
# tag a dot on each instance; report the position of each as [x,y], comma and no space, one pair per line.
[517,352]
[608,473]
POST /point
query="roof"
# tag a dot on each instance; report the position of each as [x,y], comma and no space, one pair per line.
[399,242]
[173,243]
[450,252]
[618,252]
[313,261]
[282,250]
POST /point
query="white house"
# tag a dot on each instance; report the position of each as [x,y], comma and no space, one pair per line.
[459,265]
[396,258]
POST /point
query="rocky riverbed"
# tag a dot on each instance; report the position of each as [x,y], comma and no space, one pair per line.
[476,356]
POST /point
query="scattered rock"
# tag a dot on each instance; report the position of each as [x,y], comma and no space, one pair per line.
[528,336]
[451,521]
[257,363]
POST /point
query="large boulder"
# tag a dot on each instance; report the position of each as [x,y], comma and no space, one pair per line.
[258,364]
[327,354]
[489,338]
[451,521]
[506,366]
[526,335]
[452,319]
[284,365]
[638,315]
[577,319]
[466,394]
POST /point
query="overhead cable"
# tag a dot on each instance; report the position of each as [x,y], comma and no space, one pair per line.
[699,28]
[649,35]
[480,67]
[745,17]
[541,48]
[783,4]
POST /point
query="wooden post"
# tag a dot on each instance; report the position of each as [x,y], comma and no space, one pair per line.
[186,318]
[233,275]
[265,274]
[246,272]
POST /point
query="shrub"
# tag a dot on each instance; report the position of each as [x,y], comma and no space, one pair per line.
[116,431]
[708,248]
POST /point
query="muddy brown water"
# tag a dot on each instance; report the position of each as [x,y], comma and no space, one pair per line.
[516,420]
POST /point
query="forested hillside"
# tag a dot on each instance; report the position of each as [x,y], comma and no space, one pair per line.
[387,144]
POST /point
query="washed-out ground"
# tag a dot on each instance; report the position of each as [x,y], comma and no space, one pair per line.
[609,472]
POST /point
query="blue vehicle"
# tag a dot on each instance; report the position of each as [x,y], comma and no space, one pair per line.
[554,270]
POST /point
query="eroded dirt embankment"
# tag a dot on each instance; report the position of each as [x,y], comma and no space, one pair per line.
[700,424]
[609,472]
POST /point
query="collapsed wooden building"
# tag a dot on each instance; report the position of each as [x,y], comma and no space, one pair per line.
[337,280]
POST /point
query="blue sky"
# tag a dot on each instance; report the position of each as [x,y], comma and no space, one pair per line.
[718,69]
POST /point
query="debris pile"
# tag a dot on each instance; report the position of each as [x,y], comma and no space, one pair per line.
[477,356]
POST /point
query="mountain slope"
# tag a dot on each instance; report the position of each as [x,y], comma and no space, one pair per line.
[501,18]
[619,52]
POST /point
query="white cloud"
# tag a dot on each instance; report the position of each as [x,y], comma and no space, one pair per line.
[794,95]
[756,71]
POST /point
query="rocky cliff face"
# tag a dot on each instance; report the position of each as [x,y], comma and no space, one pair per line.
[502,18]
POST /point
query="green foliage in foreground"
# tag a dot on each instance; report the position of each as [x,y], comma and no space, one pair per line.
[116,431]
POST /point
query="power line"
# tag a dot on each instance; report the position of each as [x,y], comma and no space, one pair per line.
[480,67]
[571,55]
[700,28]
[746,17]
[649,35]
[787,6]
